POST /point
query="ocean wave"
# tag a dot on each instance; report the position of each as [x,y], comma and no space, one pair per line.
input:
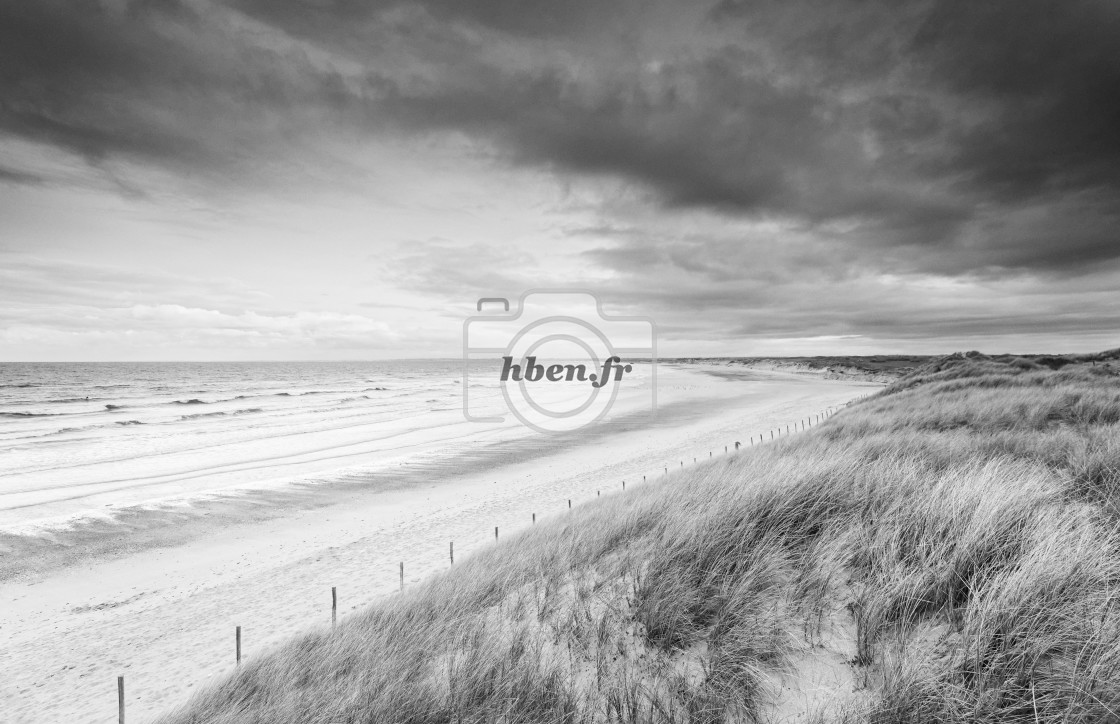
[61,400]
[192,401]
[129,422]
[64,430]
[246,411]
[113,407]
[29,414]
[60,431]
[201,414]
[21,384]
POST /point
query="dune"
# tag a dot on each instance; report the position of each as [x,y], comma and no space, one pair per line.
[946,550]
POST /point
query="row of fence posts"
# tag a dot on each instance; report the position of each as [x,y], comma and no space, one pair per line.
[805,423]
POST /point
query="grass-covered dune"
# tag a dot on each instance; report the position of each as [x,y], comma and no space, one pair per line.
[947,550]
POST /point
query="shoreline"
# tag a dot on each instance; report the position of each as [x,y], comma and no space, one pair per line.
[163,614]
[51,544]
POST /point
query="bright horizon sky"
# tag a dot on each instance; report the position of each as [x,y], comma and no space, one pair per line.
[252,179]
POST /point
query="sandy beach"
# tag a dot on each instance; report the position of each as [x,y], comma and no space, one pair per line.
[161,608]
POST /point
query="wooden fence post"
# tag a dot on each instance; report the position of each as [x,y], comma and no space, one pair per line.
[239,646]
[334,606]
[120,700]
[452,552]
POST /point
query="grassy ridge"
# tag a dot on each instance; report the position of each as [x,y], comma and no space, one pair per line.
[879,367]
[959,531]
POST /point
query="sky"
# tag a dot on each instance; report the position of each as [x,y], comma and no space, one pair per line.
[344,179]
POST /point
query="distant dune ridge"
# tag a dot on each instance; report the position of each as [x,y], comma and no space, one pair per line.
[875,368]
[890,367]
[945,550]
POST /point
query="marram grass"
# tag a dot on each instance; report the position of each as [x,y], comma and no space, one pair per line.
[967,518]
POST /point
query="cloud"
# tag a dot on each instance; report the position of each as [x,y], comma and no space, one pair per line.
[10,175]
[833,155]
[184,86]
[150,328]
[32,280]
[464,271]
[68,304]
[301,328]
[923,125]
[750,282]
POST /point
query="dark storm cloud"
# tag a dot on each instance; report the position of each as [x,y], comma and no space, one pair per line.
[540,19]
[170,83]
[679,146]
[1050,74]
[19,177]
[949,137]
[71,75]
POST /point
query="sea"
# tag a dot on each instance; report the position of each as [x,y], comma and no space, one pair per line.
[79,438]
[88,440]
